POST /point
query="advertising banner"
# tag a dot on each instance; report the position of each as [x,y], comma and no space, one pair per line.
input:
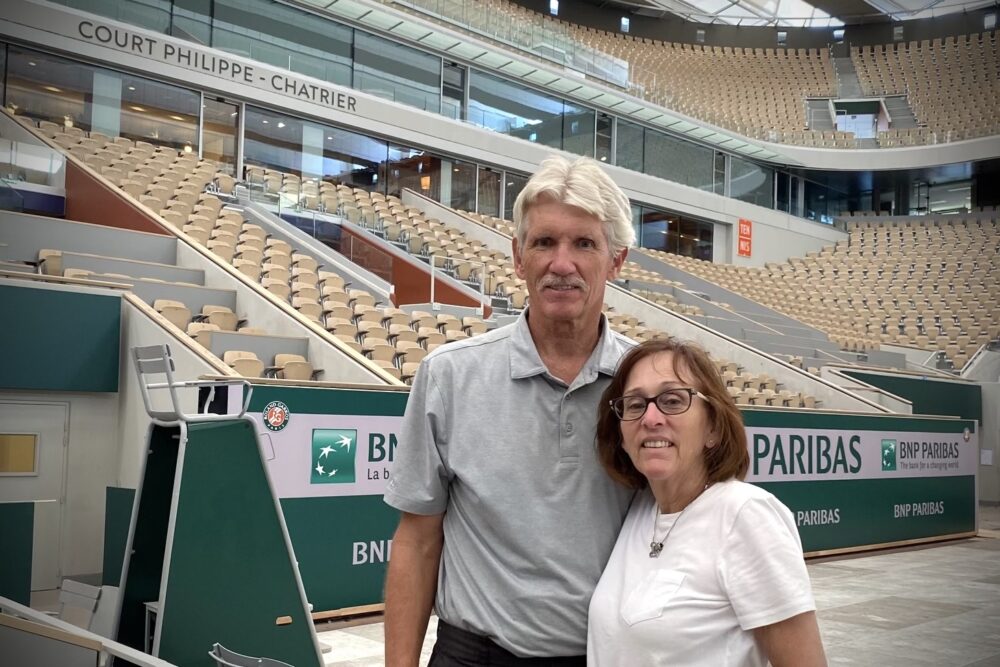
[329,454]
[851,481]
[745,238]
[856,480]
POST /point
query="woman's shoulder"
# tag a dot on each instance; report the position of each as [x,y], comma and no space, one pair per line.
[736,495]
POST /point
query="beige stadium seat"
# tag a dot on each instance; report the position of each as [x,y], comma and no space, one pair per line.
[201,332]
[50,262]
[245,363]
[221,316]
[292,367]
[176,312]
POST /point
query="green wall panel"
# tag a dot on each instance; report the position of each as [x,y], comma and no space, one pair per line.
[842,513]
[17,534]
[343,555]
[930,397]
[231,572]
[64,341]
[117,513]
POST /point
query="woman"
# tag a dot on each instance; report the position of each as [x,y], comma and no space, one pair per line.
[707,570]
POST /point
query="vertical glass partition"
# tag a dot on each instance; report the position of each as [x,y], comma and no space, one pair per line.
[396,72]
[285,37]
[220,127]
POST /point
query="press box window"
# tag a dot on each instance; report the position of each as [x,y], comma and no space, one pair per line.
[554,7]
[699,36]
[838,35]
[782,37]
[897,33]
[990,21]
[18,454]
[625,23]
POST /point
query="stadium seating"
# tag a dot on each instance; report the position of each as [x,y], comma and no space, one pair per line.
[951,84]
[186,193]
[920,282]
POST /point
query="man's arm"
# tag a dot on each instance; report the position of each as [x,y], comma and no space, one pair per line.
[793,642]
[410,586]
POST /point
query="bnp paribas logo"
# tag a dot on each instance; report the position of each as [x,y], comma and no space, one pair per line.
[888,454]
[333,451]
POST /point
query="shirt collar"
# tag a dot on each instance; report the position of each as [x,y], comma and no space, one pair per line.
[526,362]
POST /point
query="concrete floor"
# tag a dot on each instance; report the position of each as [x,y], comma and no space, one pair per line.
[928,606]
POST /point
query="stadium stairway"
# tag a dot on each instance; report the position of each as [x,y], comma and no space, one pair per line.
[642,318]
[192,299]
[765,328]
[900,114]
[848,85]
[818,114]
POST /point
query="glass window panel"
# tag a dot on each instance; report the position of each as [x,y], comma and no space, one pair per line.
[688,237]
[3,73]
[603,138]
[45,87]
[18,453]
[578,129]
[679,161]
[659,230]
[354,159]
[458,184]
[637,223]
[414,169]
[272,140]
[220,125]
[453,87]
[719,173]
[508,108]
[706,238]
[159,113]
[285,37]
[629,145]
[193,21]
[489,191]
[750,182]
[784,195]
[513,184]
[397,72]
[151,14]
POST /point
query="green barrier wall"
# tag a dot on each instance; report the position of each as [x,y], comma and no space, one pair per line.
[341,530]
[230,571]
[929,396]
[64,341]
[864,480]
[17,530]
[117,511]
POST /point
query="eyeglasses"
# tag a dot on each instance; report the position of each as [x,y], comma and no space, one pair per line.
[671,402]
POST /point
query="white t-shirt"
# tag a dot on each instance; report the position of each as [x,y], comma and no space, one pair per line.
[731,563]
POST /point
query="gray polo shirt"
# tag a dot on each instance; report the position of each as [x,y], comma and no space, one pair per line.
[507,452]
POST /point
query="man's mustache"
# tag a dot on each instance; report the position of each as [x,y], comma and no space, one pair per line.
[562,281]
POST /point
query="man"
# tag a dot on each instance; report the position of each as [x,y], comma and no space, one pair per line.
[506,514]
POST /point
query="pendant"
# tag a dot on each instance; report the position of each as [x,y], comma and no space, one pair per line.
[655,548]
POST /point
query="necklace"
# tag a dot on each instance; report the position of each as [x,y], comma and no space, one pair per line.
[655,547]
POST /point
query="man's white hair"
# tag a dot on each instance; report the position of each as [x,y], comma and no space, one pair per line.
[583,184]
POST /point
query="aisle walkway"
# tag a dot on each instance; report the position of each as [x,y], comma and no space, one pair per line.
[931,606]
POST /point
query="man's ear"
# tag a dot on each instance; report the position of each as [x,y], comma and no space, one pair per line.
[617,262]
[516,253]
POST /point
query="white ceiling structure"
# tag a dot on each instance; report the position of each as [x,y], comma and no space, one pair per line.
[788,13]
[802,14]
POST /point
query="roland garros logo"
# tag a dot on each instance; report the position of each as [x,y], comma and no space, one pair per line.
[276,415]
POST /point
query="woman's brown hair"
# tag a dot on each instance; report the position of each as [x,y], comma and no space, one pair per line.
[728,459]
